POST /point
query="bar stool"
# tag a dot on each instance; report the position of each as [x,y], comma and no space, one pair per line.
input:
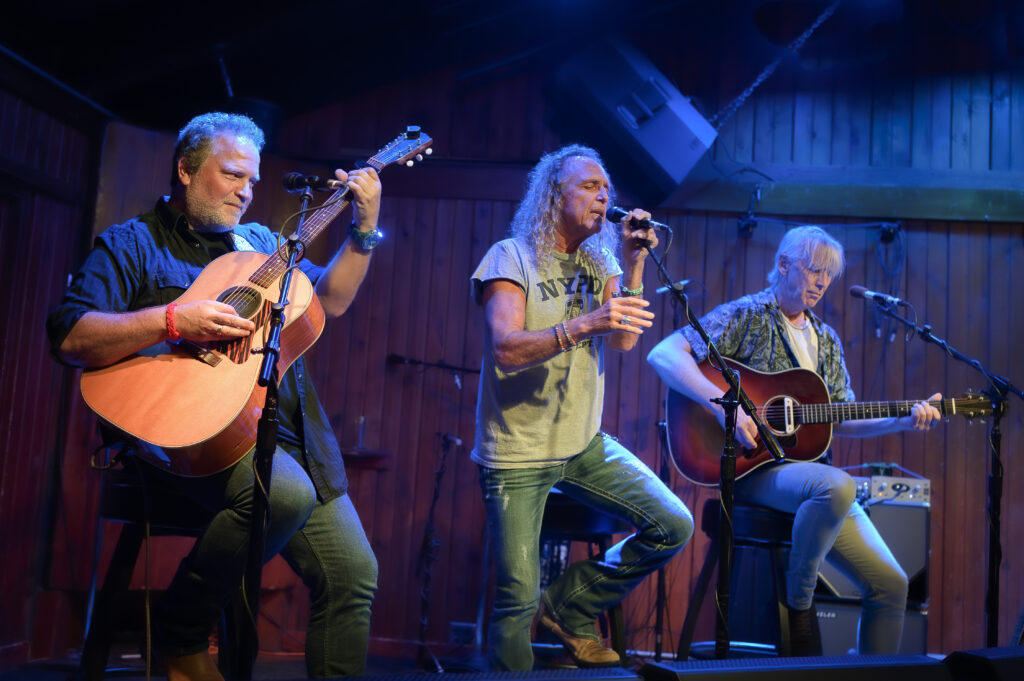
[754,528]
[124,499]
[568,520]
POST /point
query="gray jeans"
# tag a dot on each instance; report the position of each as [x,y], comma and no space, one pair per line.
[324,544]
[830,526]
[604,476]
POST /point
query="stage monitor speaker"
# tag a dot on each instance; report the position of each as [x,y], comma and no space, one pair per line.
[847,668]
[837,622]
[628,109]
[904,528]
[990,664]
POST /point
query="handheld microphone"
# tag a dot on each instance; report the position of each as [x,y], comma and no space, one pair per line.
[297,182]
[884,299]
[615,214]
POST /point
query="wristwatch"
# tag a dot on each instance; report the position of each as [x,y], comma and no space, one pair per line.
[365,241]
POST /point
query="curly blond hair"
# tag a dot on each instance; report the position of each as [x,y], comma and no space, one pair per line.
[538,214]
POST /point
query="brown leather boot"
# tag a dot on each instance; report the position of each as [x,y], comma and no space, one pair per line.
[195,667]
[584,651]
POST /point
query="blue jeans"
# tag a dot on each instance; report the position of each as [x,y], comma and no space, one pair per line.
[829,525]
[323,542]
[606,477]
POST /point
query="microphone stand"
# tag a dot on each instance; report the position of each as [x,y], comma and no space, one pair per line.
[263,455]
[733,398]
[999,389]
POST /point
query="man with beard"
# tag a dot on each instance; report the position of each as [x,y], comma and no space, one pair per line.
[122,301]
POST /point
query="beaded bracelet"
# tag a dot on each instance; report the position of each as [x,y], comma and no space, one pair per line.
[628,292]
[172,331]
[558,339]
[568,336]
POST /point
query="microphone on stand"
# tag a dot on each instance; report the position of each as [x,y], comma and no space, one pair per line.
[400,359]
[882,298]
[679,286]
[297,182]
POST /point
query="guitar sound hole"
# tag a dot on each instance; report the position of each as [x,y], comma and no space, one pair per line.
[246,301]
[775,415]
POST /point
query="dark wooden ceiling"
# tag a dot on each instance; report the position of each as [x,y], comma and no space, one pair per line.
[156,64]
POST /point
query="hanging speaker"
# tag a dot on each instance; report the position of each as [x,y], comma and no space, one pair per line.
[626,108]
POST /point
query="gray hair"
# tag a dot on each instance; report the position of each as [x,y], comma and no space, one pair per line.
[196,138]
[813,247]
[538,215]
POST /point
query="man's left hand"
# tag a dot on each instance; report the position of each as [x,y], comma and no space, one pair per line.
[365,186]
[634,240]
[924,416]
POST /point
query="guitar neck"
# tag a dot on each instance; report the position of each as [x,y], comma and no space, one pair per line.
[854,411]
[274,266]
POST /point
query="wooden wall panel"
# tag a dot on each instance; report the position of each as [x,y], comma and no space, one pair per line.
[45,183]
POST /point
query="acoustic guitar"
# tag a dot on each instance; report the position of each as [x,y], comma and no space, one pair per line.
[198,403]
[794,404]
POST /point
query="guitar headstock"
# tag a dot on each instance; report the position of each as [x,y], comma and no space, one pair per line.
[973,406]
[407,148]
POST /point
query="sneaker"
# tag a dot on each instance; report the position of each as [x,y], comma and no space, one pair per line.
[804,636]
[584,651]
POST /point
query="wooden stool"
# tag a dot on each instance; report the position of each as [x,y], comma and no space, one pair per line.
[754,527]
[566,519]
[124,499]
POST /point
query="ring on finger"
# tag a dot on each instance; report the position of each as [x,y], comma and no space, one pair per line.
[219,327]
[625,320]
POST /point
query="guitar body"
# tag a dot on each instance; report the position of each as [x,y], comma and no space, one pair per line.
[696,439]
[199,402]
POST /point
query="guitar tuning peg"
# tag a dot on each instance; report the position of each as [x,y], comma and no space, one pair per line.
[419,157]
[410,163]
[430,150]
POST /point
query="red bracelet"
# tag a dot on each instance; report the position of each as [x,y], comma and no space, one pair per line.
[172,332]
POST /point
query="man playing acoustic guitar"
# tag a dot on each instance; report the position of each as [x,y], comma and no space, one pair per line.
[772,331]
[122,301]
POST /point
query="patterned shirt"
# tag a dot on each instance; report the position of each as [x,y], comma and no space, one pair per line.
[752,330]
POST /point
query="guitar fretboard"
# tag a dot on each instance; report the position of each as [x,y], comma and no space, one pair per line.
[852,411]
[273,267]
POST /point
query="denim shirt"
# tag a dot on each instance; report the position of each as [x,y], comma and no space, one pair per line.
[751,330]
[150,261]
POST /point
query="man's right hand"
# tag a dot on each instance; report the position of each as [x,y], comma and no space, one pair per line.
[627,314]
[746,431]
[209,320]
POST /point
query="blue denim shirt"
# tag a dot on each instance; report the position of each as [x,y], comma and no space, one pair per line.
[150,261]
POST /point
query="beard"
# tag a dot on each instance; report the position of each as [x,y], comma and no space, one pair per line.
[206,215]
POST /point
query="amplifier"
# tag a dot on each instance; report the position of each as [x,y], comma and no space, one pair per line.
[904,527]
[894,490]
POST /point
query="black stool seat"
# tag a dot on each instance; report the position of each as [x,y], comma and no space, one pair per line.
[124,498]
[566,519]
[754,527]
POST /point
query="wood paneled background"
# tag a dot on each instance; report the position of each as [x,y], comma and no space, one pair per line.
[962,276]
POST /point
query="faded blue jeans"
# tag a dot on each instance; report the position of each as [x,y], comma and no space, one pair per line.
[829,525]
[323,542]
[606,477]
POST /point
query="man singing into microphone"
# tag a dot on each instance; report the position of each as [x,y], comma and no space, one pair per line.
[554,296]
[775,330]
